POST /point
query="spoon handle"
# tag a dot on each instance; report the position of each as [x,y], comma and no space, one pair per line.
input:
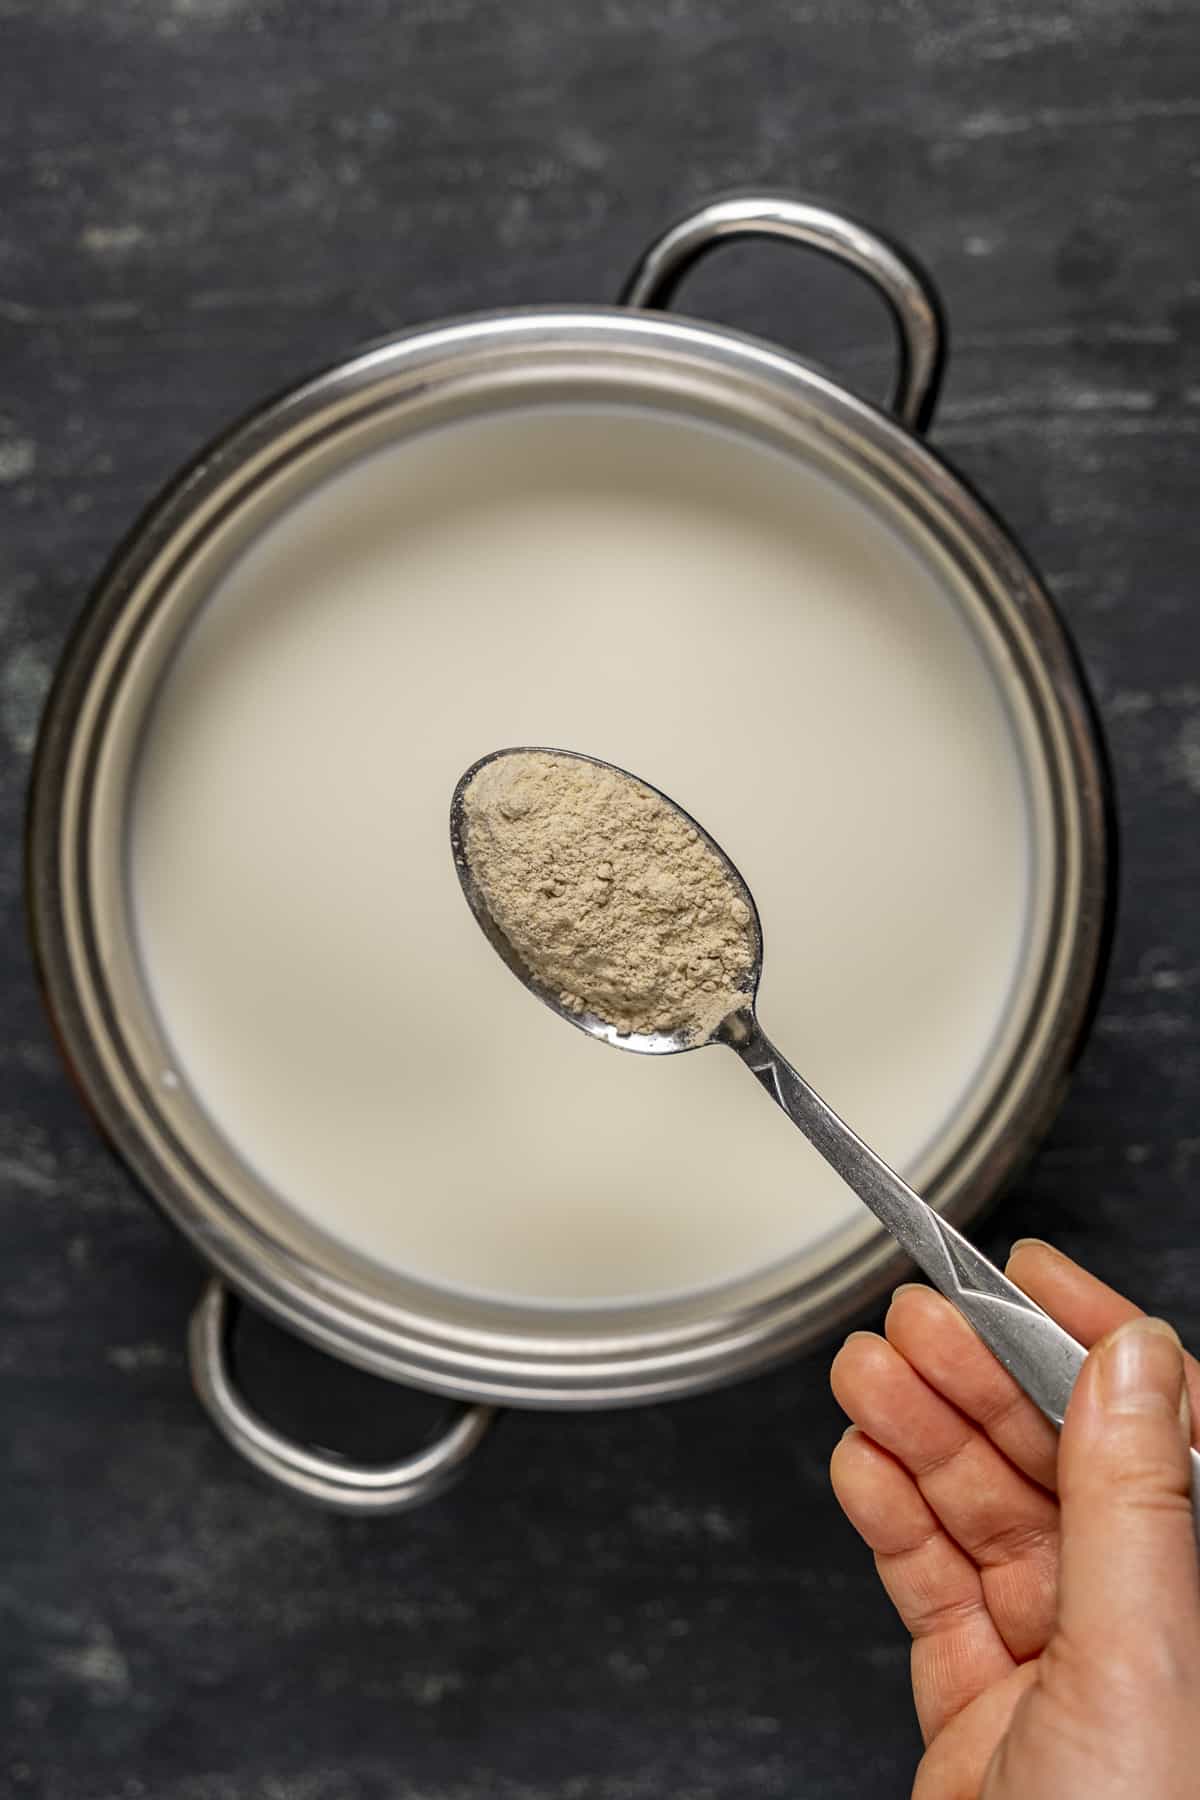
[1042,1357]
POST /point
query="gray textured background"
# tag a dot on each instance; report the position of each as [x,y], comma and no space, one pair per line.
[199,200]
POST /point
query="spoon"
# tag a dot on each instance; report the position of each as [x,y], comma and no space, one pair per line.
[1043,1358]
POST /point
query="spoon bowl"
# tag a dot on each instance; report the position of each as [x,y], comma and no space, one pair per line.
[656,1043]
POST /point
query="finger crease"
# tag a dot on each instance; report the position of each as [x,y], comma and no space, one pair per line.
[931,1621]
[1012,1543]
[936,1530]
[992,1416]
[930,1465]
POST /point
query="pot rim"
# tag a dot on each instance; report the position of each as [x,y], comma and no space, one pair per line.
[597,1365]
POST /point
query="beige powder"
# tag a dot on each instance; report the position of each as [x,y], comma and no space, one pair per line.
[607,895]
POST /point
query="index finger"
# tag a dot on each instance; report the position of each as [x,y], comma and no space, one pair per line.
[1083,1304]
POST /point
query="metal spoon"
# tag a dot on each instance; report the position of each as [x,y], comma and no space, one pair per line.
[1042,1357]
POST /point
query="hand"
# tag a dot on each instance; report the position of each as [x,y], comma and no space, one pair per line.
[1051,1587]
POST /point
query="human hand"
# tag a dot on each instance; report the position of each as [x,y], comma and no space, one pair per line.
[1051,1586]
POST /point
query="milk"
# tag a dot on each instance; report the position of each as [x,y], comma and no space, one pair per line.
[681,601]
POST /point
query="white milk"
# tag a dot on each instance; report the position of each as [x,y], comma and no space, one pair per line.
[679,601]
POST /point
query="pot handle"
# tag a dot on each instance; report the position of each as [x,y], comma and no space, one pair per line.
[345,1486]
[907,290]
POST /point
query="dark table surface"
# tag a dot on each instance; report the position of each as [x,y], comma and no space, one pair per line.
[200,200]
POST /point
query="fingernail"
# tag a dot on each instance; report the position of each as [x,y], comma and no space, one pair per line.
[910,1287]
[849,1432]
[1141,1368]
[1032,1244]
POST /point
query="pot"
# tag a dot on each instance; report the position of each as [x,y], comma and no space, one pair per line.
[481,1354]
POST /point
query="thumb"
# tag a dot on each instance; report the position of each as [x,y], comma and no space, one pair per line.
[1128,1559]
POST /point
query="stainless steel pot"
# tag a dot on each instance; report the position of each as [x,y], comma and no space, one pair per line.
[479,1355]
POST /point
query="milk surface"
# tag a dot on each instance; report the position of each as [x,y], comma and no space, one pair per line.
[673,598]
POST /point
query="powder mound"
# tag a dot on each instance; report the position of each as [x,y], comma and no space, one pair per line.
[607,895]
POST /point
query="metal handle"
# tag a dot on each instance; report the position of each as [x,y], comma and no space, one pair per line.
[1042,1357]
[345,1486]
[907,290]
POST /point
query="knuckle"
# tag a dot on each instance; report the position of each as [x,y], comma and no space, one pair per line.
[927,1615]
[1146,1483]
[996,1409]
[935,1461]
